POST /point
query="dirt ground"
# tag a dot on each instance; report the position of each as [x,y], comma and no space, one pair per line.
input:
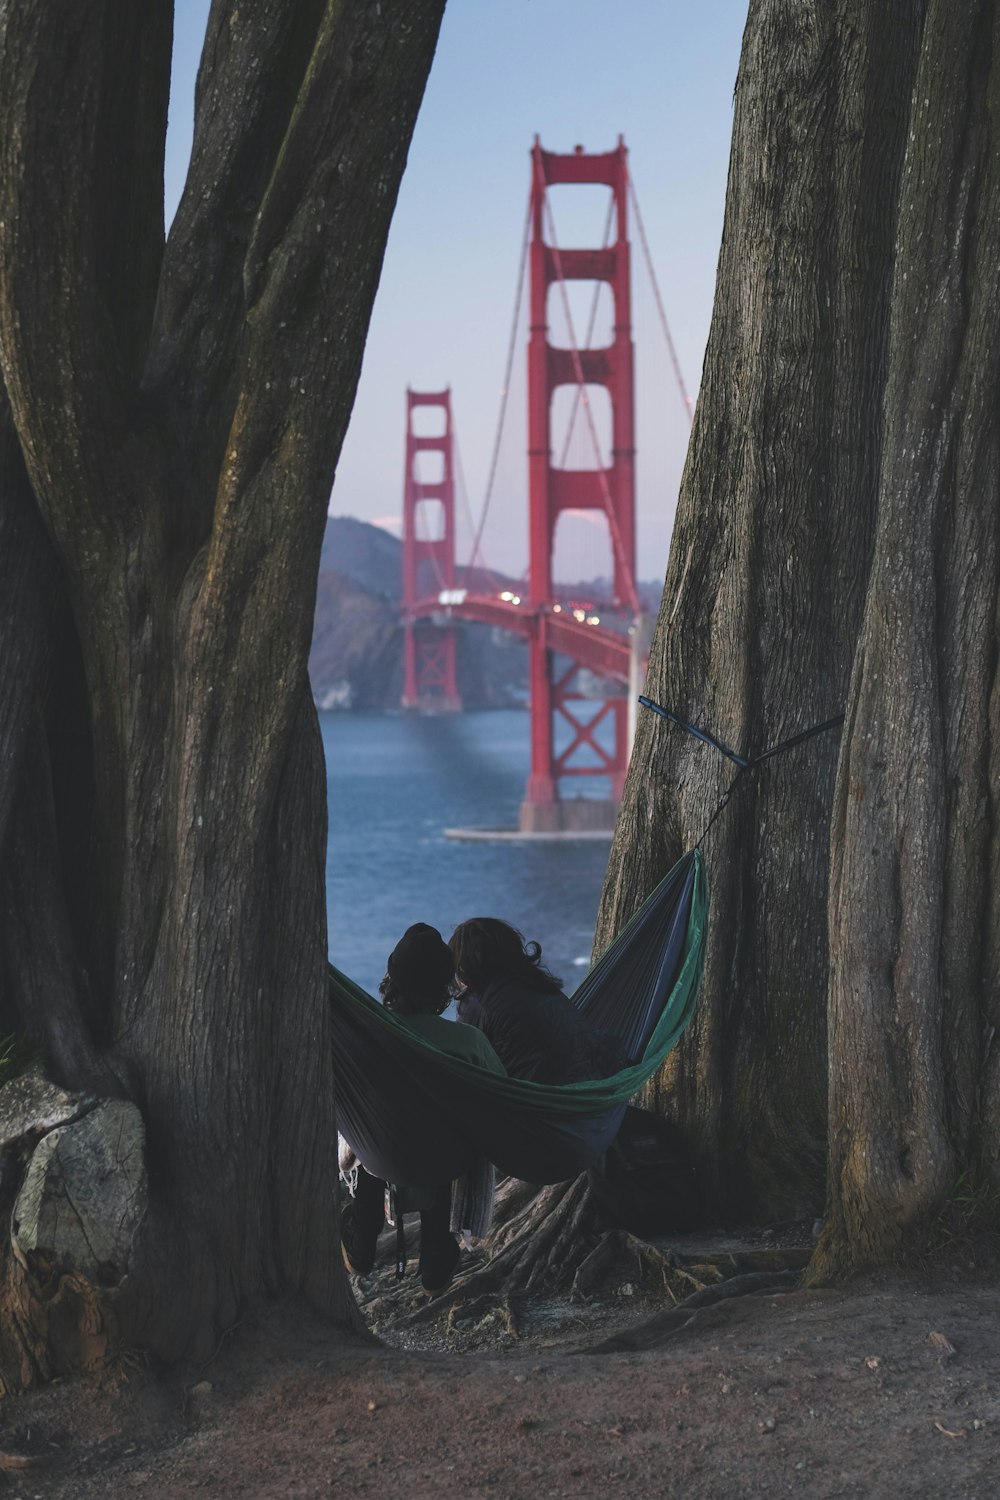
[887,1388]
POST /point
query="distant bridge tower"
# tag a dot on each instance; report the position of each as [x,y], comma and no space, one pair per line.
[429,680]
[555,694]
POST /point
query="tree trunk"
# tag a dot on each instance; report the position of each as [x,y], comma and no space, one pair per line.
[836,547]
[180,409]
[914,919]
[765,586]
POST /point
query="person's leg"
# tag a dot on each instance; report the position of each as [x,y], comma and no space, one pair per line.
[361,1223]
[439,1250]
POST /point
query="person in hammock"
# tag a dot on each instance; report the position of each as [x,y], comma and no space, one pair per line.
[417,987]
[521,1008]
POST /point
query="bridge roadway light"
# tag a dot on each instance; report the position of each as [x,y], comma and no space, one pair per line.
[452,596]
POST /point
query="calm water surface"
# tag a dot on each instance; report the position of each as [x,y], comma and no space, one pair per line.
[394,783]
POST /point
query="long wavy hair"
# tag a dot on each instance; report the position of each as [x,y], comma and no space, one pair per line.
[486,949]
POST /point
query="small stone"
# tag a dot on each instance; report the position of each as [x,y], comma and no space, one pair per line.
[873,1362]
[203,1388]
[767,1425]
[373,1406]
[627,1289]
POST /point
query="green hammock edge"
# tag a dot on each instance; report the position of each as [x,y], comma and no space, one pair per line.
[594,1095]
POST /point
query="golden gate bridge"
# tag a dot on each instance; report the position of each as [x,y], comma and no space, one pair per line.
[566,637]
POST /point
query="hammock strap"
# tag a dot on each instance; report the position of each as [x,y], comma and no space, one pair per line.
[699,734]
[723,803]
[797,739]
[743,762]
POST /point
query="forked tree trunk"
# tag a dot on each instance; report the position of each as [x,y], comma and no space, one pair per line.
[846,431]
[180,410]
[765,586]
[914,915]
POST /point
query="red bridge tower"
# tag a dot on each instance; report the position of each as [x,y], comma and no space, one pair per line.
[556,694]
[429,681]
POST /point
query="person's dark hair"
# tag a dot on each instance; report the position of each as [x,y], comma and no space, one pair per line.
[485,948]
[420,973]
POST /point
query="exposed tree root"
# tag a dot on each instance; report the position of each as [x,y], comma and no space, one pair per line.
[555,1239]
[707,1308]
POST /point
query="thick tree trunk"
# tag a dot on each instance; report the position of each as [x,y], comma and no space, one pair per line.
[914,918]
[766,581]
[180,410]
[836,544]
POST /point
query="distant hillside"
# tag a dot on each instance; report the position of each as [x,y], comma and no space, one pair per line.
[369,555]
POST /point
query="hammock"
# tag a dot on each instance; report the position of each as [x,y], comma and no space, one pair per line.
[416,1115]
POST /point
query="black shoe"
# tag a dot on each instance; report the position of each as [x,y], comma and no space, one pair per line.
[357,1249]
[437,1266]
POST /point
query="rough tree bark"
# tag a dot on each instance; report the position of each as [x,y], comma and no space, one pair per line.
[914,913]
[172,419]
[836,545]
[765,585]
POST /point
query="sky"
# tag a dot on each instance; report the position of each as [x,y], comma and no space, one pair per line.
[661,74]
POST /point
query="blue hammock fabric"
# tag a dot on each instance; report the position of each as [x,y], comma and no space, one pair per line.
[417,1115]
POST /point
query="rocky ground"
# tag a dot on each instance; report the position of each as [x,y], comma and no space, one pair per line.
[887,1387]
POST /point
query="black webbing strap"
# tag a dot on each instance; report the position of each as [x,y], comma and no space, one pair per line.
[699,734]
[745,763]
[723,802]
[394,1213]
[797,739]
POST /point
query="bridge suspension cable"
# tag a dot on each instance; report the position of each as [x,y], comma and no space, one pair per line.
[505,389]
[634,200]
[463,491]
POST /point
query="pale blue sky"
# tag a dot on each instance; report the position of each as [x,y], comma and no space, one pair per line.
[659,72]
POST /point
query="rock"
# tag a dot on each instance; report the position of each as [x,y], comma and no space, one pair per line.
[84,1193]
[30,1106]
[203,1388]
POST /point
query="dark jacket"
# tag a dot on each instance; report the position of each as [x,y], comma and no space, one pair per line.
[540,1036]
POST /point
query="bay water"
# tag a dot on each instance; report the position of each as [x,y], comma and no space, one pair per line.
[395,782]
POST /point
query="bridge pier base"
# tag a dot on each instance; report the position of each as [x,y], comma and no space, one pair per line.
[572,815]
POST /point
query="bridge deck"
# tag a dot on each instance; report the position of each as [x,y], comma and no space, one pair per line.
[603,651]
